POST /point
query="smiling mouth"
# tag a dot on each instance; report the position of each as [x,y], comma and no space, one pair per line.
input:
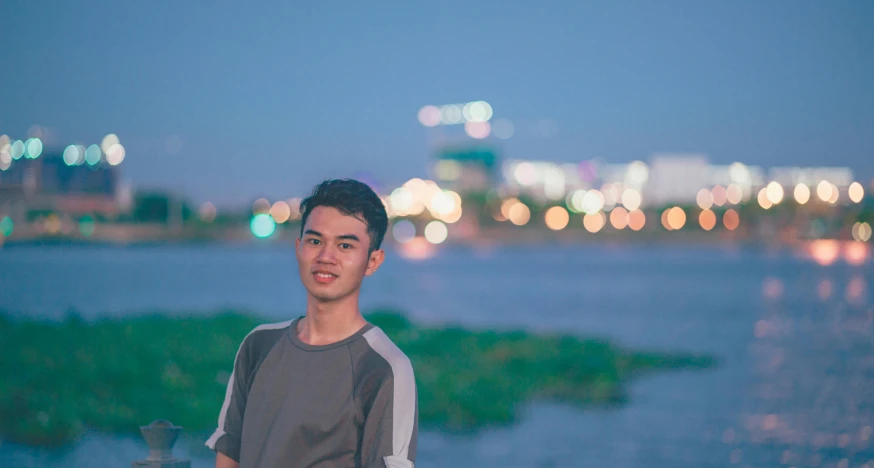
[323,277]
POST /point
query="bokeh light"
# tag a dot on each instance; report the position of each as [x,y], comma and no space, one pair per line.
[731,219]
[477,111]
[619,218]
[636,220]
[261,206]
[719,196]
[87,226]
[774,192]
[824,190]
[506,205]
[704,199]
[115,154]
[93,155]
[824,251]
[5,159]
[856,192]
[734,194]
[676,218]
[631,199]
[207,212]
[801,193]
[16,149]
[436,232]
[108,141]
[592,202]
[707,220]
[429,116]
[556,218]
[861,231]
[519,214]
[855,253]
[451,114]
[403,231]
[280,211]
[763,199]
[33,148]
[594,222]
[478,130]
[71,155]
[262,225]
[6,226]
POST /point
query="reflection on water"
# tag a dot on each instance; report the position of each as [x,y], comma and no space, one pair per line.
[828,251]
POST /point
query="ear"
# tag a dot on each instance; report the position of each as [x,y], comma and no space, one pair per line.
[297,244]
[375,260]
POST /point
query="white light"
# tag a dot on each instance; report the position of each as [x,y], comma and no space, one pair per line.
[114,155]
[71,155]
[525,173]
[739,173]
[108,141]
[451,114]
[401,200]
[637,173]
[429,116]
[478,130]
[436,232]
[631,199]
[593,202]
[477,111]
[442,204]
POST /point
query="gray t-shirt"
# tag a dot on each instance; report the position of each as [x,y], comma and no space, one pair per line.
[290,404]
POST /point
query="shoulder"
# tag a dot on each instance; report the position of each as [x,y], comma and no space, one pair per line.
[385,352]
[262,338]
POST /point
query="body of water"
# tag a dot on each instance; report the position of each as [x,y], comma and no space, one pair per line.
[796,341]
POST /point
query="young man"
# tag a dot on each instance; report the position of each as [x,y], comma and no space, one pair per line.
[327,389]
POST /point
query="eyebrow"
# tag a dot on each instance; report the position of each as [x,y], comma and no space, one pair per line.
[343,236]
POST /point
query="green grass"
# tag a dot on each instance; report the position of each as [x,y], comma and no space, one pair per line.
[58,379]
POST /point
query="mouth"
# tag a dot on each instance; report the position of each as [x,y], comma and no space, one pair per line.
[324,277]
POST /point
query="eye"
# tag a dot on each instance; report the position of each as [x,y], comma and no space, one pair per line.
[345,246]
[314,241]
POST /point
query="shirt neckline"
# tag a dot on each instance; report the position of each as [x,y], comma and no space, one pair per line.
[295,340]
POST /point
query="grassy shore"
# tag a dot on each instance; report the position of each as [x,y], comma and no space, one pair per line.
[58,379]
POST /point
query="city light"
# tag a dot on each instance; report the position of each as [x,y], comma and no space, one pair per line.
[719,195]
[675,218]
[707,220]
[731,220]
[453,114]
[262,225]
[6,226]
[429,116]
[71,155]
[556,218]
[619,218]
[824,190]
[763,199]
[856,192]
[33,148]
[436,232]
[115,154]
[592,202]
[87,226]
[207,212]
[636,220]
[631,199]
[734,194]
[861,231]
[261,206]
[802,193]
[108,141]
[855,253]
[519,214]
[824,251]
[506,205]
[93,155]
[594,222]
[774,192]
[478,130]
[704,199]
[280,211]
[16,149]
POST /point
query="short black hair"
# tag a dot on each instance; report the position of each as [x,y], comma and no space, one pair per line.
[352,198]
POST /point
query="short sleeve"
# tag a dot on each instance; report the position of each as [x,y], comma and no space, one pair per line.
[391,423]
[228,435]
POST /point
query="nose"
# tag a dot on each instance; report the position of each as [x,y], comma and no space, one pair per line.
[326,254]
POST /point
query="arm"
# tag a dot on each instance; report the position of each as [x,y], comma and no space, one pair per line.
[224,461]
[392,421]
[228,435]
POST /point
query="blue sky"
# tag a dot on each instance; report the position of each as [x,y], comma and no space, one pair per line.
[267,98]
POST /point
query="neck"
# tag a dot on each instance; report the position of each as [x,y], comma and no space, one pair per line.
[330,322]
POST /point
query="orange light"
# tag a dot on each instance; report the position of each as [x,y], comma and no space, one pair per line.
[731,220]
[556,218]
[855,253]
[676,218]
[594,222]
[825,251]
[636,220]
[707,220]
[619,218]
[665,222]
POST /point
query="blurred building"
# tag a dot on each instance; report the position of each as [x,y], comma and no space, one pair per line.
[466,168]
[47,183]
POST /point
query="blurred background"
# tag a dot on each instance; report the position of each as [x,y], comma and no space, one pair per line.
[685,178]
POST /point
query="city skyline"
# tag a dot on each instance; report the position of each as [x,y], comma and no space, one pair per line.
[228,105]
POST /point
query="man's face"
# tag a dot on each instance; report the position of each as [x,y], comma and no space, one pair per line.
[332,254]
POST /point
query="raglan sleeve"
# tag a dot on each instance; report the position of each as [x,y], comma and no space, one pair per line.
[228,435]
[391,422]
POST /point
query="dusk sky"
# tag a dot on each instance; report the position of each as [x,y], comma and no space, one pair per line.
[233,101]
